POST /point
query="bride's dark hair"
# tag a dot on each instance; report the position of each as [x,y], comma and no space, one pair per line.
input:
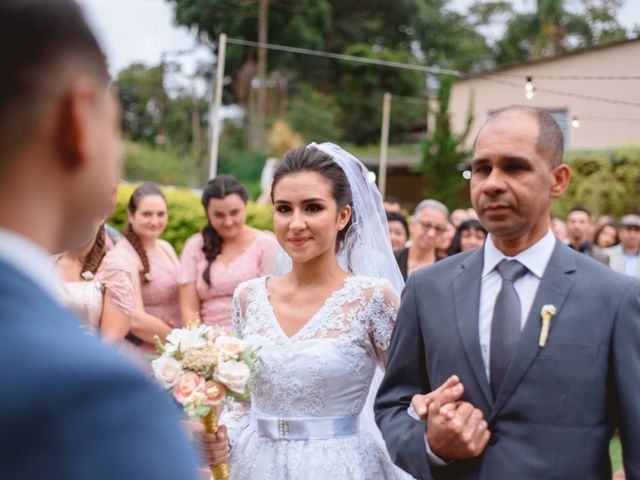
[311,159]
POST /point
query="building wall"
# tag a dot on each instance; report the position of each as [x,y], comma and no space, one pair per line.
[619,59]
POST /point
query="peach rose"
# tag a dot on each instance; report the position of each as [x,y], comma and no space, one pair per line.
[230,346]
[188,384]
[213,394]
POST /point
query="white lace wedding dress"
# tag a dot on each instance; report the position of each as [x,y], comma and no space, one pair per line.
[303,421]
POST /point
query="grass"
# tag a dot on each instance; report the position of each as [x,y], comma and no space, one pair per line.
[615,451]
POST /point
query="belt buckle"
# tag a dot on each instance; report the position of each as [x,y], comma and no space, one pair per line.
[283,429]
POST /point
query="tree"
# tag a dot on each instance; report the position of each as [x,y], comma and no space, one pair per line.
[551,28]
[417,31]
[141,93]
[444,152]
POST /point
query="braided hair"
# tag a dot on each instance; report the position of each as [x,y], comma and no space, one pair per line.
[94,258]
[220,187]
[145,190]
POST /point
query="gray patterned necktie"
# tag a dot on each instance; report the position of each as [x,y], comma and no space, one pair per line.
[506,325]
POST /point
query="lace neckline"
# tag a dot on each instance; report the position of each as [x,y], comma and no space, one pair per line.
[311,320]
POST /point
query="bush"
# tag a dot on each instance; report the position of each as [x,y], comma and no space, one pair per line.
[186,215]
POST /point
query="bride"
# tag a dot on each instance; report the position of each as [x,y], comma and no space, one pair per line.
[324,323]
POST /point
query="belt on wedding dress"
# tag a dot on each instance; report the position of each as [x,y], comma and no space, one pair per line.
[303,428]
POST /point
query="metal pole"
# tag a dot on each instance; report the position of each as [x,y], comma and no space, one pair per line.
[384,143]
[217,103]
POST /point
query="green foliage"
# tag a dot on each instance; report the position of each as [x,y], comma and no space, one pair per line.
[313,114]
[551,28]
[186,215]
[603,181]
[361,89]
[443,153]
[160,165]
[142,94]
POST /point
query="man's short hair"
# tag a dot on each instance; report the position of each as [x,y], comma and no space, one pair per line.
[37,37]
[550,144]
[580,208]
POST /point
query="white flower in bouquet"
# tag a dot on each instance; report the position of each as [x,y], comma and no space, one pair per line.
[184,338]
[233,374]
[167,370]
[230,346]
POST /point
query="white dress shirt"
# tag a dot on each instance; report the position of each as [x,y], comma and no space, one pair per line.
[535,258]
[30,260]
[630,263]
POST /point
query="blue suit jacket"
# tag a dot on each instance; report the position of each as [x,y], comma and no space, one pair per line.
[554,415]
[70,407]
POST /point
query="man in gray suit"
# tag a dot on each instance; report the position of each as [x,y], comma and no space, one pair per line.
[517,360]
[624,257]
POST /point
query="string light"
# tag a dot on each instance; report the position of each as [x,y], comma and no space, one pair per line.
[528,87]
[575,122]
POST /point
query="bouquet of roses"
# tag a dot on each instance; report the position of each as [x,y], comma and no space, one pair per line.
[201,366]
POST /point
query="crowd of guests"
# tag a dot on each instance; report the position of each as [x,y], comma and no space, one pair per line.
[133,286]
[431,233]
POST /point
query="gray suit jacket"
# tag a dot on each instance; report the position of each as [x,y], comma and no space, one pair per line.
[554,415]
[616,260]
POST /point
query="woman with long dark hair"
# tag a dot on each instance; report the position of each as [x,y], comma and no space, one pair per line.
[224,254]
[324,323]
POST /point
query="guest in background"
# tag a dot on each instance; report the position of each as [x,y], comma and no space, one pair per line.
[154,265]
[444,242]
[97,287]
[428,223]
[113,236]
[624,257]
[605,220]
[391,204]
[559,229]
[606,236]
[226,253]
[458,216]
[579,224]
[398,230]
[469,235]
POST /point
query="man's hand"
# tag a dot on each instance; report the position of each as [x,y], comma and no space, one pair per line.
[421,403]
[456,430]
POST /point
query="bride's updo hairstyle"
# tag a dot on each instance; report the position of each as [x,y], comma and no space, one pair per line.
[311,159]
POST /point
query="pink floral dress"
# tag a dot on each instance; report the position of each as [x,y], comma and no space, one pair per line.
[160,296]
[215,299]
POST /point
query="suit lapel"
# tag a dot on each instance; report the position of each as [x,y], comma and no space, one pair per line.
[466,293]
[553,290]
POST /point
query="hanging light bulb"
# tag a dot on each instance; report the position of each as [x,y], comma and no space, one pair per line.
[528,88]
[575,122]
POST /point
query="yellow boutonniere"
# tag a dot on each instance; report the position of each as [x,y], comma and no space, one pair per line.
[546,315]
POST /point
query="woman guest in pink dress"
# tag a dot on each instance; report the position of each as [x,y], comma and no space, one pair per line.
[97,287]
[155,266]
[226,253]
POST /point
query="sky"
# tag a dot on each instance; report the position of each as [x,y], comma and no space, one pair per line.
[141,30]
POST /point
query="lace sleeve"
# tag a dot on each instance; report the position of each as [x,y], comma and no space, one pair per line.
[235,415]
[381,315]
[238,308]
